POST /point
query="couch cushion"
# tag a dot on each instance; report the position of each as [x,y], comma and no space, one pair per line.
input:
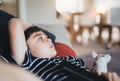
[64,50]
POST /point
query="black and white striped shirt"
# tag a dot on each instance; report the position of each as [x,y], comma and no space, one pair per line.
[48,68]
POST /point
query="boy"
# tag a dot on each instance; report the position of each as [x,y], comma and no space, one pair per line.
[36,52]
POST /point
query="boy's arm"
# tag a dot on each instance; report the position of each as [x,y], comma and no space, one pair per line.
[17,38]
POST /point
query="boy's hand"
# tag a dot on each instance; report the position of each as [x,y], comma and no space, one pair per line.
[111,76]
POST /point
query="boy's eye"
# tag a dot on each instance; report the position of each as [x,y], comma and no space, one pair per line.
[39,38]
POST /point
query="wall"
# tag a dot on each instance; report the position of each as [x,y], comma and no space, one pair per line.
[115,3]
[113,16]
[38,11]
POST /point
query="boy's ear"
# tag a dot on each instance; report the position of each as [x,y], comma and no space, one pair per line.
[94,55]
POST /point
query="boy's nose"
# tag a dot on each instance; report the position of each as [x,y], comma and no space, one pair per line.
[49,39]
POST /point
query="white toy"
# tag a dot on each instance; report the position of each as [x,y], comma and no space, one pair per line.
[100,62]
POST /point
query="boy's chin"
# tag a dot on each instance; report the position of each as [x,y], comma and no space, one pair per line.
[54,54]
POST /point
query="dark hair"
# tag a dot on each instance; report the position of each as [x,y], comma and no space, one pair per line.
[33,29]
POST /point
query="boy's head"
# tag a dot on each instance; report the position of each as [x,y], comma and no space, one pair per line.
[33,29]
[39,43]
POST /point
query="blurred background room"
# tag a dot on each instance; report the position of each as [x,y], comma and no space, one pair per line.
[84,25]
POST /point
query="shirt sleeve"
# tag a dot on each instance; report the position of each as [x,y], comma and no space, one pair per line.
[26,61]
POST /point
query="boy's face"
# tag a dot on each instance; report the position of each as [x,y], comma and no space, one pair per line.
[40,45]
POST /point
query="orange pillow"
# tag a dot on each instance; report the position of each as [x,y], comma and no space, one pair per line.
[64,50]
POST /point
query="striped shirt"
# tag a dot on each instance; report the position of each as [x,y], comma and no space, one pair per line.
[48,68]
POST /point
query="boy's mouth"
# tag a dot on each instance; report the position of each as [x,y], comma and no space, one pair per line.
[51,46]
